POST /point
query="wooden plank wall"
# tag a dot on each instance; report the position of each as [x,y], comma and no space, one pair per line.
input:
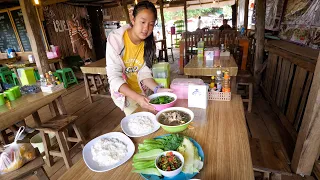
[286,84]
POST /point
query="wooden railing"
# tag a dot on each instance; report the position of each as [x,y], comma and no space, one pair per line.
[287,80]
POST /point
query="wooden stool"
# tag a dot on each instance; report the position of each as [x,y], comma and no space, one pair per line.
[248,82]
[32,167]
[4,136]
[59,125]
[96,83]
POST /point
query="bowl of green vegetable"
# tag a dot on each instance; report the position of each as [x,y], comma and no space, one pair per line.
[162,100]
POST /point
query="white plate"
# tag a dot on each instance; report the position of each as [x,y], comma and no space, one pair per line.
[93,165]
[125,121]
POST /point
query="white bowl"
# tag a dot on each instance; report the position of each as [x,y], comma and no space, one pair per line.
[171,173]
[125,122]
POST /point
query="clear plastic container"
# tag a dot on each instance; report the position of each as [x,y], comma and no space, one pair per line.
[161,70]
[26,76]
[200,47]
[180,86]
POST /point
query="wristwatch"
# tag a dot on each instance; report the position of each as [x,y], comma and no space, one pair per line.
[156,88]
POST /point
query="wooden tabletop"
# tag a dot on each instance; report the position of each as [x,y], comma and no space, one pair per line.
[15,111]
[221,132]
[21,64]
[209,68]
[97,67]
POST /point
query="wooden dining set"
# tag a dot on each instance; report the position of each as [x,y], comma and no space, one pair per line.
[61,124]
[220,129]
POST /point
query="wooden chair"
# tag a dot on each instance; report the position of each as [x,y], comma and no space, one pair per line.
[211,38]
[163,54]
[230,39]
[248,83]
[33,167]
[59,125]
[191,40]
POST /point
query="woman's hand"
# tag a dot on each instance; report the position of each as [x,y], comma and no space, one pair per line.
[165,90]
[144,103]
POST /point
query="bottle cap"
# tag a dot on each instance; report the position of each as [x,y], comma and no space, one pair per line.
[219,72]
[212,77]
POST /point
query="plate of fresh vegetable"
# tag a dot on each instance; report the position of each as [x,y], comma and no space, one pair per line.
[149,150]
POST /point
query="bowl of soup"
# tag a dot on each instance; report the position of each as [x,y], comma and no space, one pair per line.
[162,100]
[175,119]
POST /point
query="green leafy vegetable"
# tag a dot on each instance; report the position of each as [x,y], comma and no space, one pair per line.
[166,143]
[143,164]
[144,161]
[162,100]
[149,155]
[150,171]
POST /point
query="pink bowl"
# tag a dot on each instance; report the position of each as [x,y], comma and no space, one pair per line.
[160,107]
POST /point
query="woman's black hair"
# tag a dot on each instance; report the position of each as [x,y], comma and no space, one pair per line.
[149,43]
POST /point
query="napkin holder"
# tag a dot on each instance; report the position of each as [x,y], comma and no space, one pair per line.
[198,96]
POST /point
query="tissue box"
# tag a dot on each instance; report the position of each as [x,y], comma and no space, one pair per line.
[52,89]
[180,86]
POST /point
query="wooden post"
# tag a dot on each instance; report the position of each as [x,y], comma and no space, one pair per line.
[260,25]
[126,12]
[185,15]
[246,10]
[30,17]
[308,142]
[163,31]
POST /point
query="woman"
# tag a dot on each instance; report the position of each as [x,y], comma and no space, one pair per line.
[129,55]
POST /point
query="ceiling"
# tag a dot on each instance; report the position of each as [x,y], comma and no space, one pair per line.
[114,3]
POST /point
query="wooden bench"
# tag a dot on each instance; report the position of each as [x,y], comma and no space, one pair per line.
[269,157]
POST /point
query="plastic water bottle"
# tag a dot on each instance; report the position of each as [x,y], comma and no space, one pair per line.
[218,80]
[43,81]
[200,48]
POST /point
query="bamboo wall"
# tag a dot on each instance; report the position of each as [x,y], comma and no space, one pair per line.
[114,14]
[56,17]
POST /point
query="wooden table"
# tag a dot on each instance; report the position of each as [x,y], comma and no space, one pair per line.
[209,68]
[221,132]
[94,68]
[21,64]
[17,110]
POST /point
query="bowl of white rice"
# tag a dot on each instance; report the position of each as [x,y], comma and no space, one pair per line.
[139,124]
[108,151]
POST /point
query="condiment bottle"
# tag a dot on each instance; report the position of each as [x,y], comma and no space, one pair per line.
[226,82]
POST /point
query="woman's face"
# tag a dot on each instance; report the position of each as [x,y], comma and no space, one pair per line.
[143,23]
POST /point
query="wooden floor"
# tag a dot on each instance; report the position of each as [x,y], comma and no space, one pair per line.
[103,116]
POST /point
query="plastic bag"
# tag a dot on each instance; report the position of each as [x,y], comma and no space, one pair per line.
[15,155]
